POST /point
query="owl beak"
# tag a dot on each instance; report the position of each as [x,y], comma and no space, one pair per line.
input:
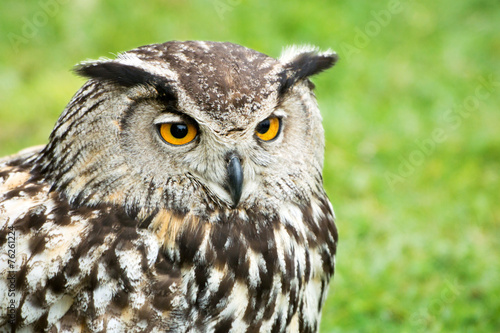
[235,178]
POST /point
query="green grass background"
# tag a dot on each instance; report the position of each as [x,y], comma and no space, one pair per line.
[411,114]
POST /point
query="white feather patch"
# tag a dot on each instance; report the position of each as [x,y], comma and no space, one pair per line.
[290,53]
[60,308]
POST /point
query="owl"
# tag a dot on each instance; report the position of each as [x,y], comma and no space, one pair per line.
[181,190]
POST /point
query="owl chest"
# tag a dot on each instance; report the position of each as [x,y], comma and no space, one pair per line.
[260,278]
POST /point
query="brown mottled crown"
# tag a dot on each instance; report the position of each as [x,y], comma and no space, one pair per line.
[218,77]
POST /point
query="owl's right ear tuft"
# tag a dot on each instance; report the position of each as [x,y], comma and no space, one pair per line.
[121,74]
[124,75]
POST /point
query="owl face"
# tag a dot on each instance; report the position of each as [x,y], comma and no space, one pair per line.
[192,126]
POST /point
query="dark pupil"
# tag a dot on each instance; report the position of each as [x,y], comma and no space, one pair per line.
[263,127]
[179,131]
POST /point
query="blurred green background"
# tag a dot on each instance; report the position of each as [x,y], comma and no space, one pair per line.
[411,114]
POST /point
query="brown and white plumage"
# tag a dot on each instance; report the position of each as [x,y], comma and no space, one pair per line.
[118,230]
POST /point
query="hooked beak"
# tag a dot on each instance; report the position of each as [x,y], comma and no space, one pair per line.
[234,178]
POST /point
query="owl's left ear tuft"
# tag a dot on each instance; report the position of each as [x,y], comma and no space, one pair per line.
[300,62]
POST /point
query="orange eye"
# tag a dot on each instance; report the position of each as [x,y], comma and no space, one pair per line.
[178,133]
[269,128]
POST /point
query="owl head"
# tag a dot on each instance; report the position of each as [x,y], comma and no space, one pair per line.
[191,126]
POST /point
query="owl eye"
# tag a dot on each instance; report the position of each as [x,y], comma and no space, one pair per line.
[178,133]
[268,129]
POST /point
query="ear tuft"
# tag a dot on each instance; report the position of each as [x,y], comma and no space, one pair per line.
[303,61]
[115,72]
[124,75]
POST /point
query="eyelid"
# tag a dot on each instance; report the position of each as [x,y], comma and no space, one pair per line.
[168,118]
[281,114]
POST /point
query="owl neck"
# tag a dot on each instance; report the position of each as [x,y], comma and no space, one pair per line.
[230,234]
